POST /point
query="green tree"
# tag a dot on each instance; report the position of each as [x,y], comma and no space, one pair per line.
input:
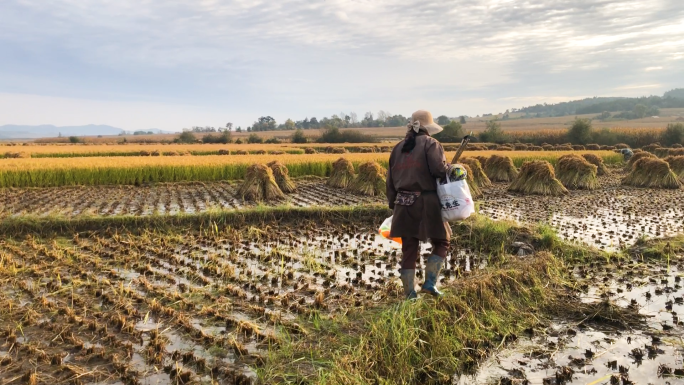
[289,124]
[186,137]
[604,115]
[462,119]
[580,132]
[254,138]
[443,120]
[640,111]
[75,139]
[493,133]
[452,133]
[673,134]
[298,136]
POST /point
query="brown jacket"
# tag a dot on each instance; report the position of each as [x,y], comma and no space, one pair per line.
[416,171]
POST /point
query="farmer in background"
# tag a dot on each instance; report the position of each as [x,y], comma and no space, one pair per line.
[412,193]
[627,153]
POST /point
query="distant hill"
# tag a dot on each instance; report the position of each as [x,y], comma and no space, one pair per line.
[11,131]
[671,99]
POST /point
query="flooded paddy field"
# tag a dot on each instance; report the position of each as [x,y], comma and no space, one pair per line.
[608,218]
[645,346]
[189,307]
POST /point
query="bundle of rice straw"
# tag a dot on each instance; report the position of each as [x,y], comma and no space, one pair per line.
[309,150]
[677,165]
[576,173]
[651,147]
[342,174]
[593,147]
[478,173]
[653,173]
[259,184]
[598,162]
[475,190]
[282,177]
[500,169]
[675,152]
[537,178]
[482,159]
[661,152]
[635,158]
[370,180]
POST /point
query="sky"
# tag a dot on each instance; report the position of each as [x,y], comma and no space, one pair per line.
[170,64]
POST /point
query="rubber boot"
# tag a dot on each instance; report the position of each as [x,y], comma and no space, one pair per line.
[433,265]
[408,277]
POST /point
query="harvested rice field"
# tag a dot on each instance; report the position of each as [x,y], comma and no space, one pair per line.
[163,199]
[190,282]
[184,307]
[644,347]
[609,217]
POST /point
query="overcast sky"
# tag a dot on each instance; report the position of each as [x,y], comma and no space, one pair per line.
[170,64]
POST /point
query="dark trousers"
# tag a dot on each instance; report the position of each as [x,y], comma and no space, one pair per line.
[410,248]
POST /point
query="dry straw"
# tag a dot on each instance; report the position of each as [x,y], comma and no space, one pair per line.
[598,162]
[342,173]
[282,177]
[477,172]
[653,173]
[475,190]
[677,165]
[537,177]
[259,185]
[576,173]
[482,159]
[370,180]
[636,157]
[500,169]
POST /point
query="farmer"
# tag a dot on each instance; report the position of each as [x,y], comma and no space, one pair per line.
[412,193]
[626,153]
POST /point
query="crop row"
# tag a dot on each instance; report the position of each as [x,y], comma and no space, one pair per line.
[140,170]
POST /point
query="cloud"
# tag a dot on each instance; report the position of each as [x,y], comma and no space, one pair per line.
[296,58]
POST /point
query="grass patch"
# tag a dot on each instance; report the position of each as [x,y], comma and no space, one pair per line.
[425,341]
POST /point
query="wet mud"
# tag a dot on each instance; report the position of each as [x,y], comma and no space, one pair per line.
[609,218]
[169,308]
[606,351]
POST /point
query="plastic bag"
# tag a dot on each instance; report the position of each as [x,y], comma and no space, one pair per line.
[385,228]
[457,203]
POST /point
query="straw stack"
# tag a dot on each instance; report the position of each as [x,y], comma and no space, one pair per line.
[653,173]
[636,157]
[676,165]
[598,162]
[477,172]
[342,174]
[259,185]
[370,180]
[500,169]
[282,177]
[576,173]
[537,178]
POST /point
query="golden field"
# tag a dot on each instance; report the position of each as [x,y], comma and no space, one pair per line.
[43,172]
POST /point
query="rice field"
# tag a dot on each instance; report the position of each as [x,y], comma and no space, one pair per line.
[136,170]
[156,270]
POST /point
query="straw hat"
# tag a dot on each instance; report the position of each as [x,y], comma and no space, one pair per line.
[425,119]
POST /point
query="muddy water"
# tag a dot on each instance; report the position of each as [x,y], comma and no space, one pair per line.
[608,218]
[650,354]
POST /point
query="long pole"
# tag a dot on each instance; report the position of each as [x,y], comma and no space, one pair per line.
[464,143]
